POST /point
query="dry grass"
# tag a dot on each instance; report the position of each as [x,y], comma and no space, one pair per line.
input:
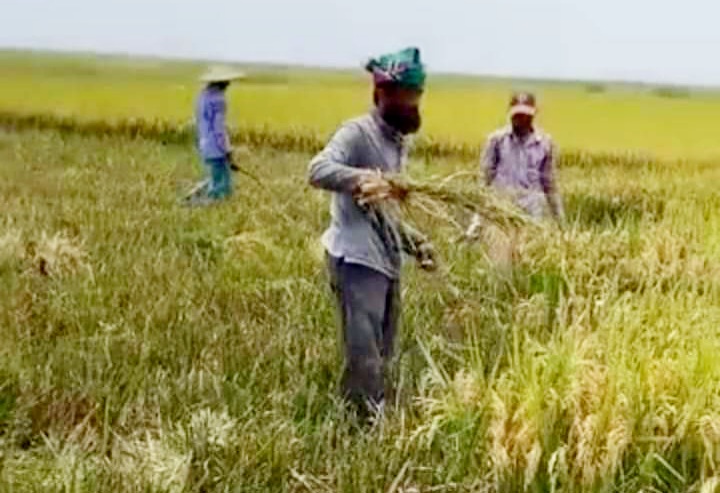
[12,248]
[58,255]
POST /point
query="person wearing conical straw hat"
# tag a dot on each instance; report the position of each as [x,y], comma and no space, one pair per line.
[212,136]
[519,161]
[364,245]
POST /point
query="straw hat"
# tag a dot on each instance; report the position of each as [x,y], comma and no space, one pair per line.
[221,74]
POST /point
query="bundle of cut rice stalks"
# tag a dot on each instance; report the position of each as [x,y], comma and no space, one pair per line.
[449,202]
[445,199]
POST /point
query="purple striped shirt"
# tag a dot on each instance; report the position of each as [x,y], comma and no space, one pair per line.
[524,168]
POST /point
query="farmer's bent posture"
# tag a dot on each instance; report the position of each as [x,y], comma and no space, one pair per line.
[364,243]
[519,161]
[213,141]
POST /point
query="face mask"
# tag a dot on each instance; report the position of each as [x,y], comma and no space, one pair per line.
[406,120]
[522,125]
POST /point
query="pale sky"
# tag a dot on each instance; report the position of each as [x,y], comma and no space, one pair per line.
[648,40]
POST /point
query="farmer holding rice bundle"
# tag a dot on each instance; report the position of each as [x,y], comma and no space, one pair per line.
[213,141]
[519,161]
[366,238]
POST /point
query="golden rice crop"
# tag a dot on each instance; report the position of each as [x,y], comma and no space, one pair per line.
[296,139]
[618,118]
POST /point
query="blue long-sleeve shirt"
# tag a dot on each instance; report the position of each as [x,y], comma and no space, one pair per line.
[211,109]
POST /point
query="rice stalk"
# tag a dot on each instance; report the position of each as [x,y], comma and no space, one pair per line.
[440,198]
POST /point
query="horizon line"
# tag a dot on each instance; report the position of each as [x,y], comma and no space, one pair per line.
[350,68]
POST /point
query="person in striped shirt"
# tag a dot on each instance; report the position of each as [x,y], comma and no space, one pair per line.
[519,161]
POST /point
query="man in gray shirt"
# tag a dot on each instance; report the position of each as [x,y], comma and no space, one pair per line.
[366,239]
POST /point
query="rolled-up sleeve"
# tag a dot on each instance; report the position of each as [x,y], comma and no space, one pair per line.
[335,167]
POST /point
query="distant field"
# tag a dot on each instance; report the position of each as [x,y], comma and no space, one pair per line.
[593,117]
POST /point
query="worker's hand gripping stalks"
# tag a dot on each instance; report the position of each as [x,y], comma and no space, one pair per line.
[373,188]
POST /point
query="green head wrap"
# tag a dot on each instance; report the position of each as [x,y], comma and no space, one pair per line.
[403,68]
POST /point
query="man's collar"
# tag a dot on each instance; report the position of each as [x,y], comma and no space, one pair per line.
[532,138]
